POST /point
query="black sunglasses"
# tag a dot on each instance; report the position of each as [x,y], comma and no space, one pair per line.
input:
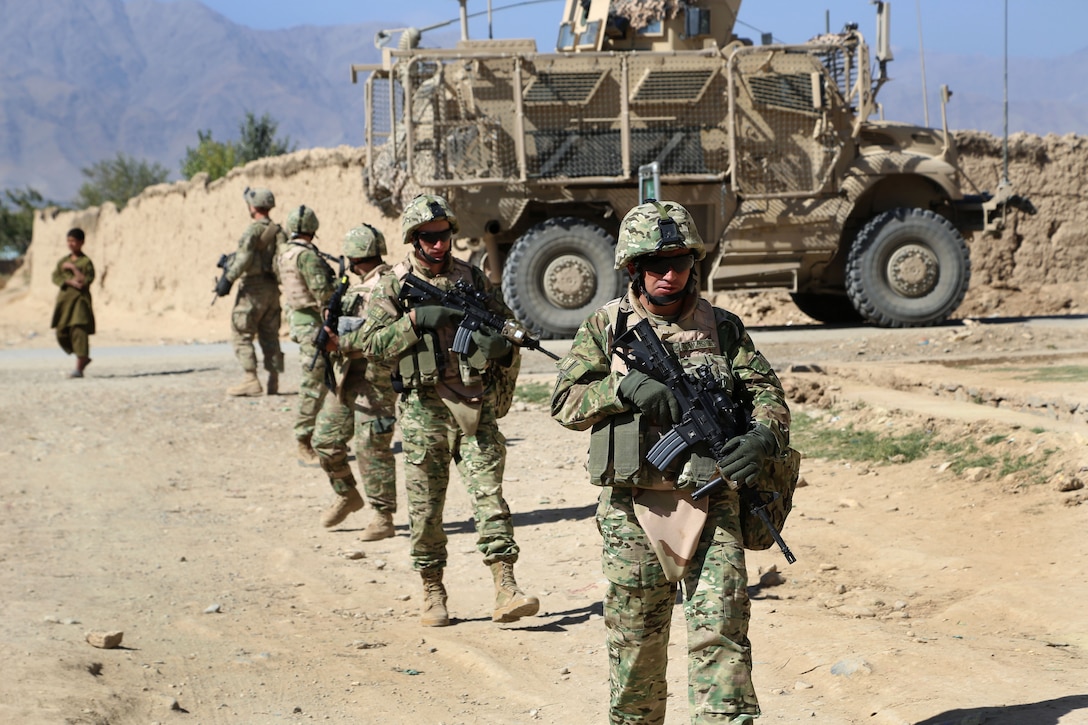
[435,237]
[363,260]
[662,265]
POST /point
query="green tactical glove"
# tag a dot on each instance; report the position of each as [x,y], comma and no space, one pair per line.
[431,317]
[743,456]
[493,347]
[650,396]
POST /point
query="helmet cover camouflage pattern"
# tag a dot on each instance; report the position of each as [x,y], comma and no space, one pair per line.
[259,197]
[302,220]
[424,209]
[363,241]
[653,227]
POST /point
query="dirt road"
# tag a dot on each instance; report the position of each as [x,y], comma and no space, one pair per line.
[143,500]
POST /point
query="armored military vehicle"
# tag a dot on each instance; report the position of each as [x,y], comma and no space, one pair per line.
[773,148]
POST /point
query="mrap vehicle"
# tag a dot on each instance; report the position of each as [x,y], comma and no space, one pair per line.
[773,148]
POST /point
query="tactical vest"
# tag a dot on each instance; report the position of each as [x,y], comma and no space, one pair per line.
[357,297]
[618,445]
[432,359]
[263,261]
[296,293]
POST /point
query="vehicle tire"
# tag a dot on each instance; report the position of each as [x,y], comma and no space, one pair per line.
[827,308]
[557,273]
[908,268]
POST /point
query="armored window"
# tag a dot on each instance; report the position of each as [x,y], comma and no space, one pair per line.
[696,22]
[566,37]
[588,38]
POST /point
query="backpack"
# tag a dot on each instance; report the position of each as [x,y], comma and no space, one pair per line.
[774,490]
[504,383]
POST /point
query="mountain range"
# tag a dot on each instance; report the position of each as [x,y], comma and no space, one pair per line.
[81,80]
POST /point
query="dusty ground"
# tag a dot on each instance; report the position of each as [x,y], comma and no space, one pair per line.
[142,499]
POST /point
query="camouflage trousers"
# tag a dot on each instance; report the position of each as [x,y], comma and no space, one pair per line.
[638,610]
[74,340]
[432,439]
[311,383]
[257,313]
[372,424]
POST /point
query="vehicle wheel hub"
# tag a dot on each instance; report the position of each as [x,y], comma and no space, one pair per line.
[913,270]
[569,281]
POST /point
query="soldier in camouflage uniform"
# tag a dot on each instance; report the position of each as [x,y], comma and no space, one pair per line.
[257,306]
[448,409]
[307,285]
[656,538]
[364,393]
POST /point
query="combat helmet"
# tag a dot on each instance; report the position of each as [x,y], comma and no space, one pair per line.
[656,226]
[259,198]
[363,241]
[424,209]
[302,220]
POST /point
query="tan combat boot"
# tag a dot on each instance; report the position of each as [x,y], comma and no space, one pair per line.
[345,504]
[307,456]
[380,527]
[249,386]
[273,387]
[511,604]
[434,600]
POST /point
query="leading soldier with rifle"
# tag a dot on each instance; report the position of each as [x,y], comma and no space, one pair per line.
[731,420]
[450,404]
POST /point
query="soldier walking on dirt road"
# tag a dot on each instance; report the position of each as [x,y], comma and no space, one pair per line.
[449,409]
[656,537]
[363,403]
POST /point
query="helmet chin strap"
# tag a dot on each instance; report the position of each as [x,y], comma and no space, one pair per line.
[420,252]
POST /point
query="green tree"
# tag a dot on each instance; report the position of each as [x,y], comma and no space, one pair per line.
[212,156]
[17,218]
[118,180]
[258,139]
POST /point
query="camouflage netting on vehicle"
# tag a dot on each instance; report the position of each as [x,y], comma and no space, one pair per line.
[641,13]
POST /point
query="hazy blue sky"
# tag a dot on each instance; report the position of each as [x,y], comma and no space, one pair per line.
[1037,28]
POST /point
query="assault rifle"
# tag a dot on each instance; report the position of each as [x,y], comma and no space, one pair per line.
[331,315]
[710,416]
[222,284]
[473,303]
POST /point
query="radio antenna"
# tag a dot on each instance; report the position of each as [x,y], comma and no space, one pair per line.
[1005,145]
[922,59]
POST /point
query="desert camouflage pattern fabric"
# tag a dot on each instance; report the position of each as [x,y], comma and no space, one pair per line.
[421,210]
[256,313]
[308,270]
[302,220]
[639,599]
[307,279]
[363,241]
[364,405]
[640,232]
[259,197]
[432,438]
[257,249]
